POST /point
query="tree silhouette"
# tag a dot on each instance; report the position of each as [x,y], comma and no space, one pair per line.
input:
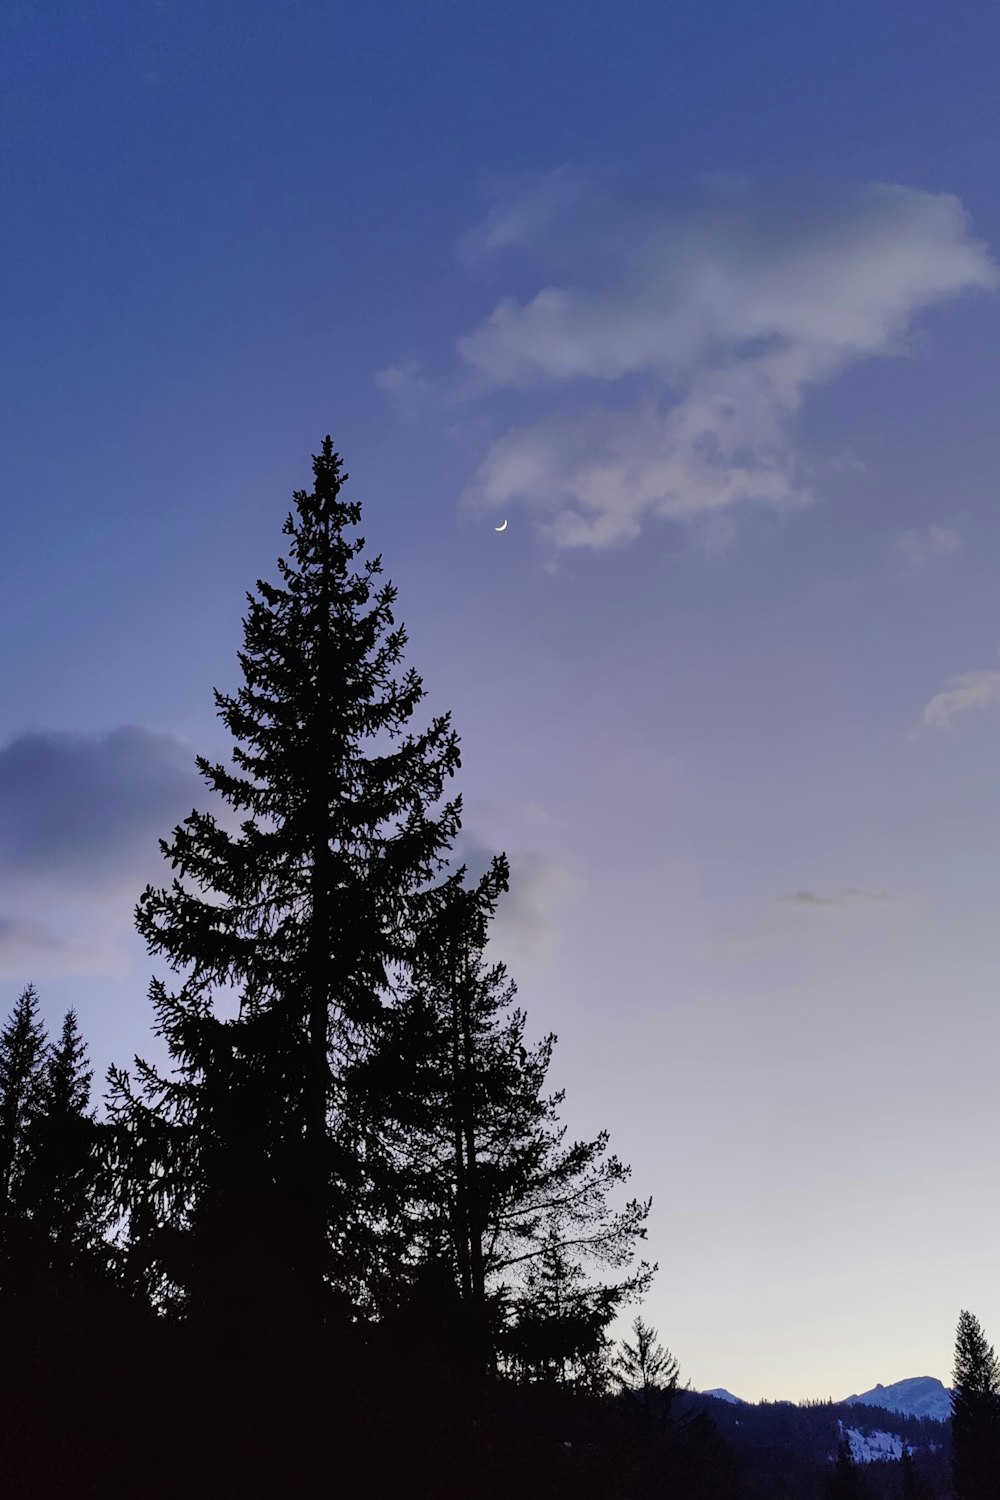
[61,1189]
[908,1476]
[22,1067]
[844,1483]
[22,1064]
[975,1413]
[433,1098]
[557,1327]
[236,1174]
[479,1160]
[647,1371]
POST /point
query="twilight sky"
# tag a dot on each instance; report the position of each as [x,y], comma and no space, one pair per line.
[705,299]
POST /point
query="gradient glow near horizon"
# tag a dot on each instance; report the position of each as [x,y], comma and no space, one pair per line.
[706,302]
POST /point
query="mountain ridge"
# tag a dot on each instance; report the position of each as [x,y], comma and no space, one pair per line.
[916,1396]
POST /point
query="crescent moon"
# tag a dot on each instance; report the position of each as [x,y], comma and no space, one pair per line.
[501,528]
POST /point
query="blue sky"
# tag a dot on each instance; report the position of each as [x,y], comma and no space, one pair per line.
[704,300]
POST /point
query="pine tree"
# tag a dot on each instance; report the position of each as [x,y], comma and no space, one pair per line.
[975,1414]
[472,1142]
[433,1095]
[60,1190]
[238,1158]
[646,1370]
[22,1062]
[688,1457]
[561,1321]
[908,1476]
[425,1094]
[845,1481]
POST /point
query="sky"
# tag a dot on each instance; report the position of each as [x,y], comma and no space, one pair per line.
[704,300]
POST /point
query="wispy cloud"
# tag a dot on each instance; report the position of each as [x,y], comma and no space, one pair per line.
[542,884]
[527,925]
[670,345]
[396,378]
[29,947]
[969,690]
[414,396]
[806,916]
[918,548]
[850,897]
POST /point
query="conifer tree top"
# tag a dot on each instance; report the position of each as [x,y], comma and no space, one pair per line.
[336,796]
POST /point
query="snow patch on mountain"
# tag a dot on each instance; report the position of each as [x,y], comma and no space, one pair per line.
[724,1395]
[872,1447]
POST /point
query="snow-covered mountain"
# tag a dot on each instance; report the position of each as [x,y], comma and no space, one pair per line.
[921,1396]
[722,1395]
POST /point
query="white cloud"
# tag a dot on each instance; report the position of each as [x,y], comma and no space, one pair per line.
[917,548]
[969,690]
[692,333]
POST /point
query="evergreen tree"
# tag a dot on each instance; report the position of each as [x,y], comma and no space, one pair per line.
[975,1414]
[236,1168]
[22,1063]
[445,1094]
[479,1160]
[688,1457]
[60,1190]
[844,1483]
[646,1370]
[908,1476]
[558,1328]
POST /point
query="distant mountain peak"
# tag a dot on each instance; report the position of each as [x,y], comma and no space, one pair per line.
[920,1396]
[723,1395]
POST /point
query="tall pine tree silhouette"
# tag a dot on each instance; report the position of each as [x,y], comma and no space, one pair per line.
[975,1414]
[239,1174]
